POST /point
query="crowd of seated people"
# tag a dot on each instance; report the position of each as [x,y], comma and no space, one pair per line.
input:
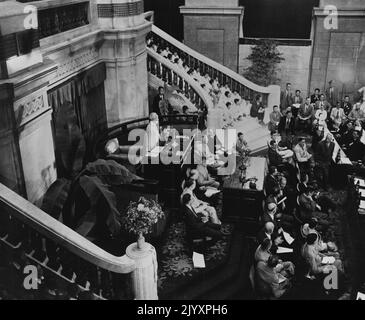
[308,135]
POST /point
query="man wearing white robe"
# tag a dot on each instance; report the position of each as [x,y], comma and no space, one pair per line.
[152,133]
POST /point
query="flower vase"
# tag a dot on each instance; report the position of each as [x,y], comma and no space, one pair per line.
[141,243]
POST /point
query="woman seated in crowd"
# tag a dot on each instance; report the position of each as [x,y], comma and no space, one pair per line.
[271,284]
[263,254]
[314,258]
[200,206]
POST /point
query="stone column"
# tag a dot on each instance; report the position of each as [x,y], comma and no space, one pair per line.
[125,55]
[213,27]
[27,158]
[144,277]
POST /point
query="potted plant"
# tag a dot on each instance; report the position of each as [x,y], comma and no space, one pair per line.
[141,217]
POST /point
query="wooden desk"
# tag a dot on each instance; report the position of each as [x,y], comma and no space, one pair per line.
[242,204]
[169,175]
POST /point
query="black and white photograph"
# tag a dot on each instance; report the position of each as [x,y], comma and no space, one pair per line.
[182,156]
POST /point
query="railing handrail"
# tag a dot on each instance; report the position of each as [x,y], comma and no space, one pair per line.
[235,76]
[51,228]
[198,89]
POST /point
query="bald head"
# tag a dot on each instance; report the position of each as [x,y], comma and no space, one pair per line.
[269,227]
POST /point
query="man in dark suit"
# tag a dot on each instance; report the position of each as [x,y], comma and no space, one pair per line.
[324,158]
[316,96]
[286,98]
[356,149]
[287,125]
[268,232]
[346,105]
[160,104]
[305,115]
[197,225]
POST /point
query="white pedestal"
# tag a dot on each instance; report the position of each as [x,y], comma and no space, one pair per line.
[144,277]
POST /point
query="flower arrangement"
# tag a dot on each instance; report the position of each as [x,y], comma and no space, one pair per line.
[142,216]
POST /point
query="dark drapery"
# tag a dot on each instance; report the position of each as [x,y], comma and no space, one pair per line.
[80,102]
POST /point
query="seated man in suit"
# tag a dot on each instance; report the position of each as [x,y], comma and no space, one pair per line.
[309,208]
[286,125]
[304,158]
[198,225]
[269,232]
[356,149]
[297,102]
[275,118]
[346,105]
[271,215]
[305,115]
[356,113]
[204,180]
[316,96]
[337,117]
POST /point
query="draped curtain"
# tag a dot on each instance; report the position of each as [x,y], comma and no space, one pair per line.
[86,93]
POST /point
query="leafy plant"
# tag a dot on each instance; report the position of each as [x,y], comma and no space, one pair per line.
[88,200]
[264,58]
[142,216]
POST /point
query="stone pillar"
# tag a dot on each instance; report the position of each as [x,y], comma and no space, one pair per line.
[338,46]
[26,143]
[212,27]
[125,55]
[144,277]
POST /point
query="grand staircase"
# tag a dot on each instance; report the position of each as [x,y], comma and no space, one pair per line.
[164,73]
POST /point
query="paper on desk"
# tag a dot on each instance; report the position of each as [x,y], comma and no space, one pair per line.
[211,192]
[288,238]
[328,260]
[284,250]
[360,296]
[198,260]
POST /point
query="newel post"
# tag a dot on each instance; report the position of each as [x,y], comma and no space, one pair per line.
[144,276]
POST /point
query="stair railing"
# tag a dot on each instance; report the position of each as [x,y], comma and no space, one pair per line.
[247,89]
[171,74]
[49,244]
